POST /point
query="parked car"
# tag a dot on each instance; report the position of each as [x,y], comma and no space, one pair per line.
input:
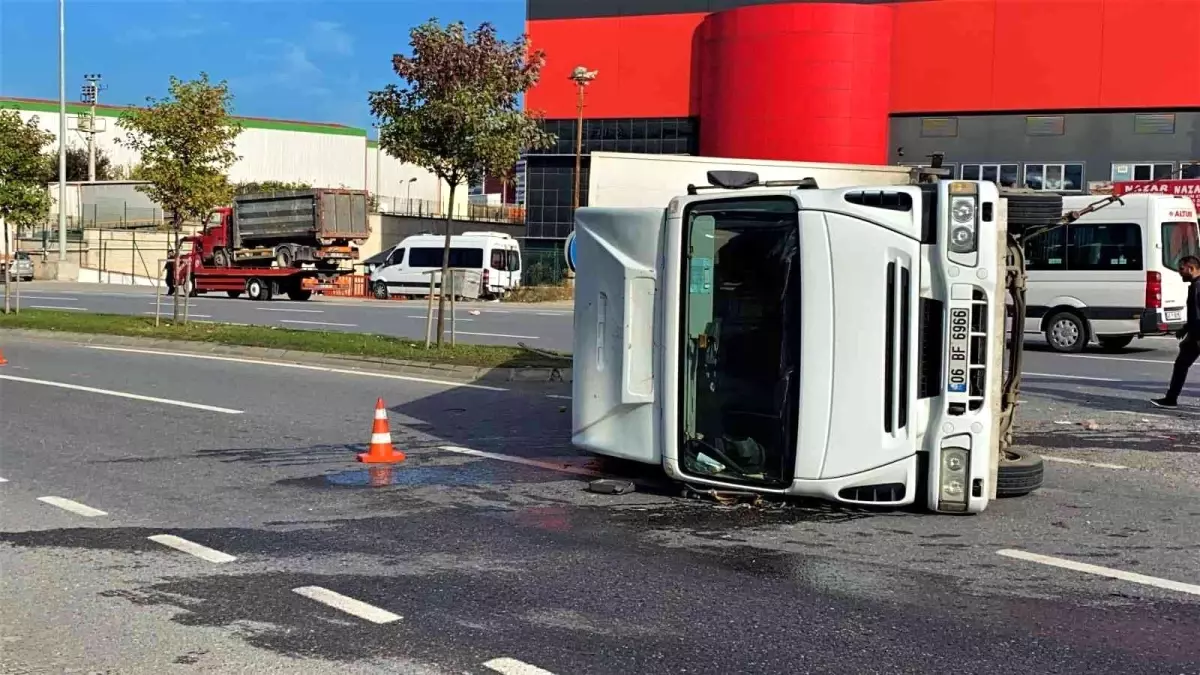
[21,267]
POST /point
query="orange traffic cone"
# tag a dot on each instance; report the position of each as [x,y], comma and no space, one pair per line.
[3,361]
[380,451]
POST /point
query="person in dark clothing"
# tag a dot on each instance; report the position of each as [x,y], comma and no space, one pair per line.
[1189,335]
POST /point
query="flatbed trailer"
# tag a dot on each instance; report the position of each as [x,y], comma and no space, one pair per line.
[261,283]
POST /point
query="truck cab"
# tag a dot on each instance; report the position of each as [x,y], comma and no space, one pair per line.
[780,338]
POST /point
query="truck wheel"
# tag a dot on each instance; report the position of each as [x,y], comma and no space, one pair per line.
[1067,333]
[257,289]
[234,294]
[1020,473]
[380,290]
[283,258]
[300,295]
[221,258]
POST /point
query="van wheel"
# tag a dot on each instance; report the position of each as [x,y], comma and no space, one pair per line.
[1020,473]
[1115,344]
[380,290]
[1066,333]
[257,289]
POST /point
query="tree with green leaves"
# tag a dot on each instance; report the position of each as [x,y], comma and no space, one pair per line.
[77,165]
[457,111]
[186,143]
[254,187]
[23,196]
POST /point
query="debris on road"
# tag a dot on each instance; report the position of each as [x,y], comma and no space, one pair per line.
[611,486]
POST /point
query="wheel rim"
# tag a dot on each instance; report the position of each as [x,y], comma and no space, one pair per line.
[255,288]
[1064,333]
[380,290]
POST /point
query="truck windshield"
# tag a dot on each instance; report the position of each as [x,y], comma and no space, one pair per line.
[740,321]
[1179,239]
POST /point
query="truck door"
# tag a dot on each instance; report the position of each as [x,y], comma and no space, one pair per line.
[613,406]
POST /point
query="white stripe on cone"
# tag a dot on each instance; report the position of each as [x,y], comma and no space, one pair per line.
[377,439]
[381,413]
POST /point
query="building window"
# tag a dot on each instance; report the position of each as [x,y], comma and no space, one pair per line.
[655,136]
[1142,171]
[1190,171]
[1004,175]
[1154,123]
[939,127]
[1111,247]
[1045,125]
[1054,177]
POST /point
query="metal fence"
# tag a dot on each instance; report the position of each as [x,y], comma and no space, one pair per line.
[543,267]
[428,208]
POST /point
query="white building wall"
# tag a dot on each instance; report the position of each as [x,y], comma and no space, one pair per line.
[393,184]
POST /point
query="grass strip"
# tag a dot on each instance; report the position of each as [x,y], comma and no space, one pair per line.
[270,337]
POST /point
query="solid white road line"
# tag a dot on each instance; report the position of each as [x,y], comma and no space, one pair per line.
[69,309]
[319,323]
[297,366]
[289,309]
[73,507]
[1109,572]
[456,319]
[191,547]
[3,480]
[522,461]
[122,394]
[167,313]
[499,335]
[507,666]
[558,396]
[1071,377]
[1068,460]
[1121,358]
[348,605]
[46,297]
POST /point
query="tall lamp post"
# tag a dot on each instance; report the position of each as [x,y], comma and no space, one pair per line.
[582,77]
[62,134]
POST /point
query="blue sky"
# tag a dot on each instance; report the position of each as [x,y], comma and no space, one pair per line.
[311,60]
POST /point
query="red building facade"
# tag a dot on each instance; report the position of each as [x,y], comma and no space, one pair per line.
[1090,88]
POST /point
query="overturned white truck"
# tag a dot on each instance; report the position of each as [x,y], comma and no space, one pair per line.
[784,337]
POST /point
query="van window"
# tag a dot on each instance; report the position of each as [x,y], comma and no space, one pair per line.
[432,257]
[396,257]
[514,260]
[1104,247]
[1047,251]
[499,260]
[1179,239]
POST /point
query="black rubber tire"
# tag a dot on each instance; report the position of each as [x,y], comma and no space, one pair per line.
[1081,328]
[283,258]
[1021,473]
[1115,344]
[299,295]
[380,290]
[1032,210]
[234,294]
[221,258]
[258,289]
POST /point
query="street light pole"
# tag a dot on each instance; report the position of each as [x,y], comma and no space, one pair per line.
[62,132]
[582,77]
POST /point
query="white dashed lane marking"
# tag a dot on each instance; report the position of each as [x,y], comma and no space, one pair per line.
[346,604]
[507,666]
[1133,577]
[192,548]
[121,394]
[1080,462]
[72,506]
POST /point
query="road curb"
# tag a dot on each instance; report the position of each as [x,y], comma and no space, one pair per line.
[416,368]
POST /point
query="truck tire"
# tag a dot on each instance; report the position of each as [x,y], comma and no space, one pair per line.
[258,289]
[299,294]
[380,290]
[221,258]
[1029,209]
[283,257]
[234,294]
[1021,473]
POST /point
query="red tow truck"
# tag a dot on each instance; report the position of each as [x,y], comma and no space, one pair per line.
[279,243]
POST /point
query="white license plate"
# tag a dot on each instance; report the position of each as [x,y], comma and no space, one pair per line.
[1175,316]
[959,354]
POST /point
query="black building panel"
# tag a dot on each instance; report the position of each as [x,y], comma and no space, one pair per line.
[580,9]
[1096,140]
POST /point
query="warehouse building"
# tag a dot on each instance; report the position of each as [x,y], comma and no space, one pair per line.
[318,154]
[1050,95]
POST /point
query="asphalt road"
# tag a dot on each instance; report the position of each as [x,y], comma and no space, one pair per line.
[546,327]
[483,553]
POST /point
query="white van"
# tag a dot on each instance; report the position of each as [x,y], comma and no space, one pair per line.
[406,270]
[1112,275]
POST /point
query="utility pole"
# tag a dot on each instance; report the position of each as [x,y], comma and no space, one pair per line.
[582,77]
[91,96]
[62,134]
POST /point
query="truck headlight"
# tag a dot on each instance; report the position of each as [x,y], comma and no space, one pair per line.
[963,225]
[953,475]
